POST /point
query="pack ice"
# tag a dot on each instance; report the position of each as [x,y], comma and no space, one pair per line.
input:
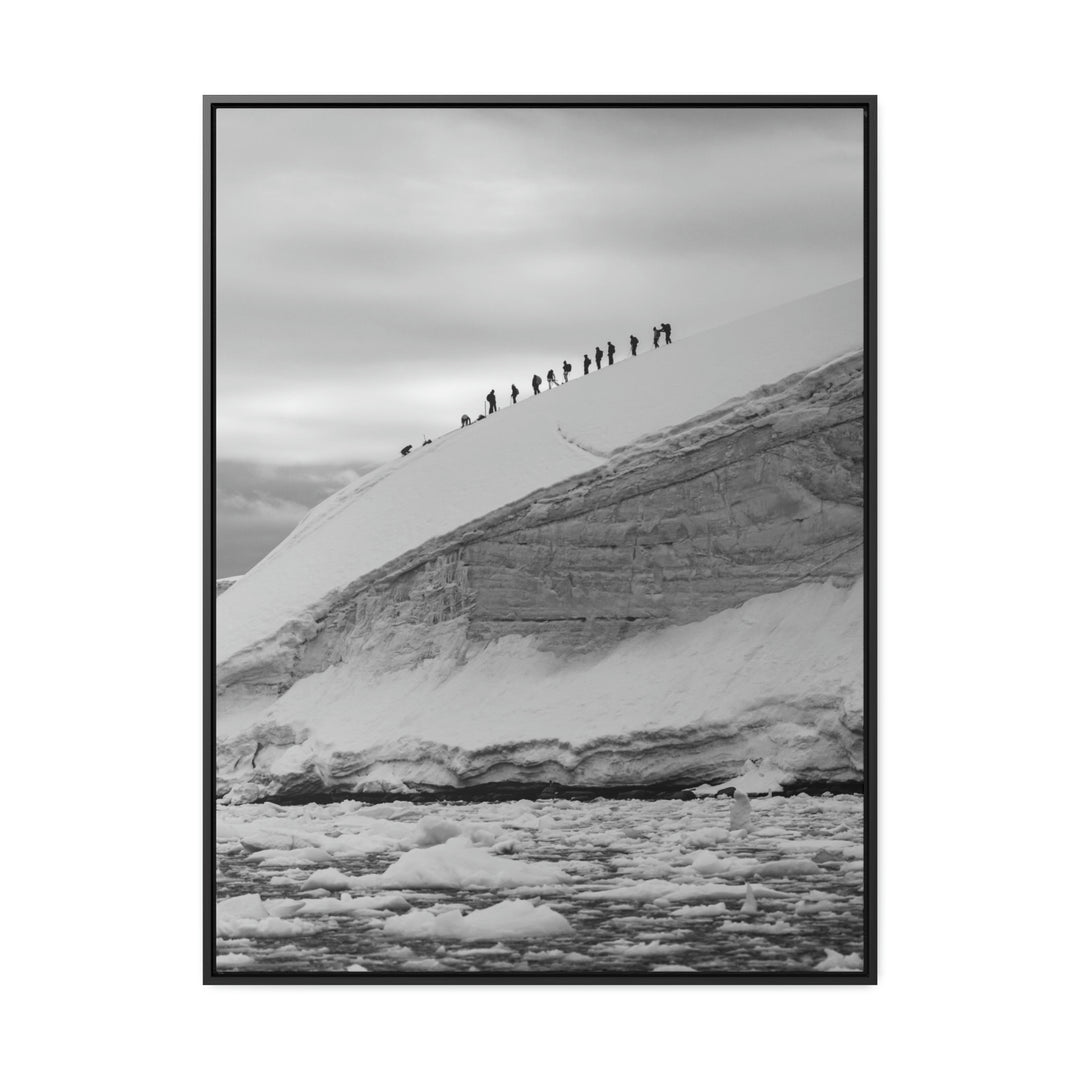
[649,575]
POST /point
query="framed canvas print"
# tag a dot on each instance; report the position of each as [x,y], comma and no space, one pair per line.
[540,539]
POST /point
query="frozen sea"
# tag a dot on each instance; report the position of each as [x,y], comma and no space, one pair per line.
[613,886]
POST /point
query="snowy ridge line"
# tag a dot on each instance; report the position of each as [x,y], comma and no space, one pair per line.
[757,410]
[331,506]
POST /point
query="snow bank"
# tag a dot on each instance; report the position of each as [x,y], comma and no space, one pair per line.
[463,475]
[781,647]
[506,920]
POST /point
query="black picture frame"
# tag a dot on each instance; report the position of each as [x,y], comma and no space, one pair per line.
[211,106]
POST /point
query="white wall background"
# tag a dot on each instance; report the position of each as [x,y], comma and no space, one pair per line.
[977,479]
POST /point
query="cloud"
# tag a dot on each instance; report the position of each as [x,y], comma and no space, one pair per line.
[380,269]
[258,505]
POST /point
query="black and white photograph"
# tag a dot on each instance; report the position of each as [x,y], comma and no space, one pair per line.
[699,709]
[540,578]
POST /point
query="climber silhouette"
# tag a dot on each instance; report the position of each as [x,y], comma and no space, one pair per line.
[610,354]
[599,356]
[536,384]
[587,363]
[655,337]
[633,345]
[514,391]
[465,421]
[666,327]
[551,378]
[490,399]
[566,371]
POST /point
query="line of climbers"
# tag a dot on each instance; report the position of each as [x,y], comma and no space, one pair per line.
[664,329]
[552,379]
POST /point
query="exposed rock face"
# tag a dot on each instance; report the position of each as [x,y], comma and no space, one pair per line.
[751,499]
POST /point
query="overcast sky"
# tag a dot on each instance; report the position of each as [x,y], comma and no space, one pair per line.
[379,270]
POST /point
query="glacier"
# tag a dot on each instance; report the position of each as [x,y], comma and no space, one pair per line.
[648,576]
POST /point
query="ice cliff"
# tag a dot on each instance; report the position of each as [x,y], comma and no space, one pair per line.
[646,576]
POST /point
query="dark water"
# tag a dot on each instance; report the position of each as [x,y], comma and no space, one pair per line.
[601,845]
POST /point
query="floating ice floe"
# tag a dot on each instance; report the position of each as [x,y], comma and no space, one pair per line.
[305,856]
[740,811]
[248,906]
[249,916]
[233,960]
[668,892]
[435,830]
[509,919]
[456,865]
[762,778]
[756,927]
[834,961]
[788,868]
[344,904]
[252,906]
[700,911]
[270,927]
[330,879]
[705,838]
[633,875]
[650,948]
[706,863]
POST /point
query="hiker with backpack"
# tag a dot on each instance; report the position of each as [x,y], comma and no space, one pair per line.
[490,399]
[610,354]
[566,368]
[656,337]
[588,361]
[633,345]
[666,327]
[536,384]
[599,357]
[514,391]
[552,381]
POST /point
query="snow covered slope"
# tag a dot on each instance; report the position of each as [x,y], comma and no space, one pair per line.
[540,441]
[649,575]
